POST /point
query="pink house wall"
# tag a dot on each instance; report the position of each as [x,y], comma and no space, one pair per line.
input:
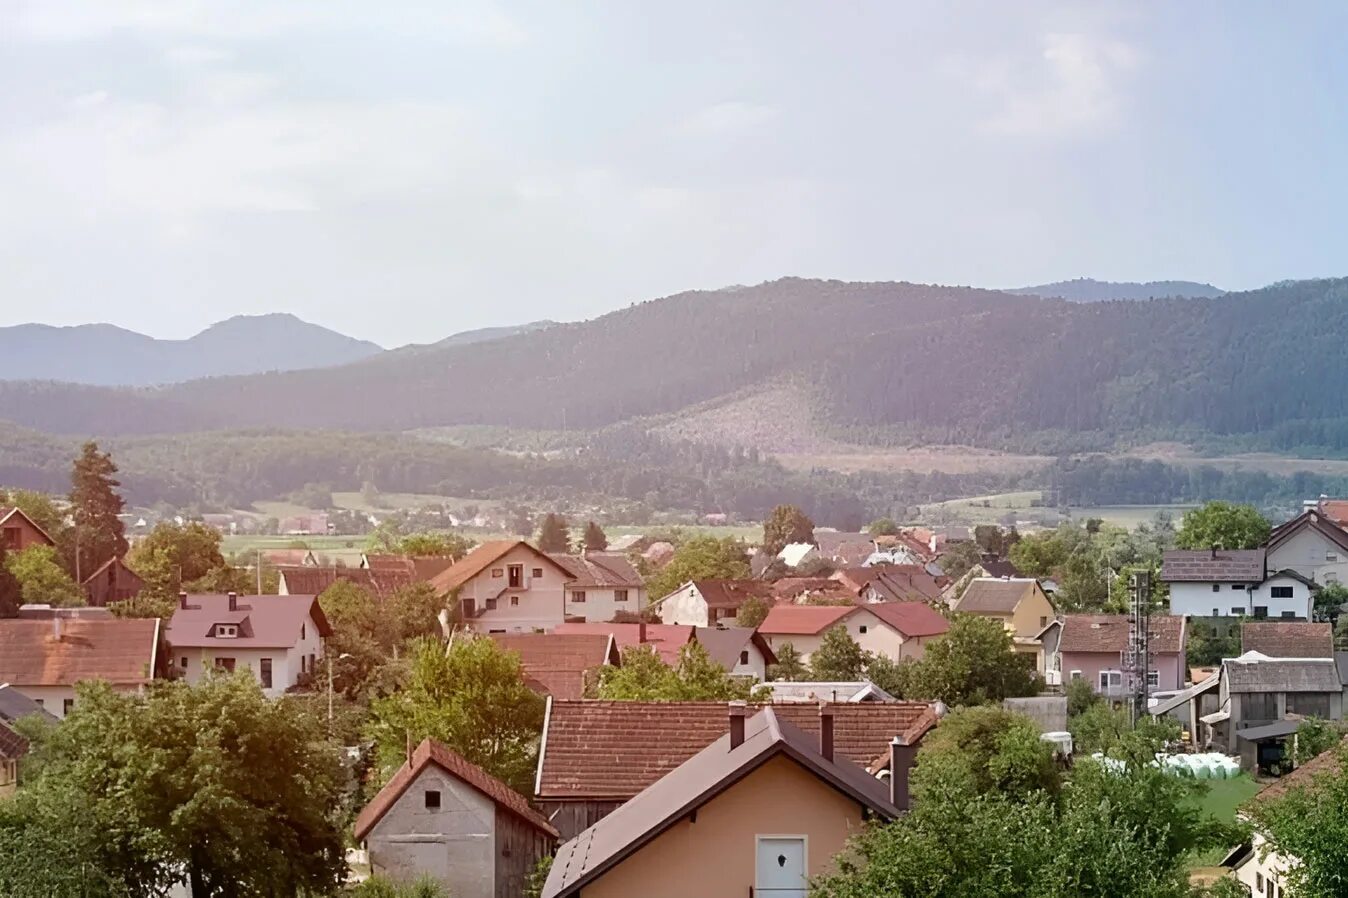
[1170,666]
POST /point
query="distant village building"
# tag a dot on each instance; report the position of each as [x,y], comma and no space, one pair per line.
[704,603]
[45,659]
[897,630]
[602,585]
[1234,583]
[507,586]
[19,532]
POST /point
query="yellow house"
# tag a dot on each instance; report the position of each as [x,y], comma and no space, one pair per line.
[762,810]
[1020,603]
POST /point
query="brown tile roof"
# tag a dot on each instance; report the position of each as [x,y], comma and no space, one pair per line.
[263,621]
[803,620]
[895,582]
[1207,566]
[12,745]
[1109,633]
[599,570]
[724,644]
[613,750]
[417,568]
[731,594]
[1328,763]
[666,639]
[1336,510]
[695,782]
[556,664]
[8,511]
[844,548]
[481,558]
[1322,523]
[1287,639]
[912,619]
[989,595]
[312,581]
[120,652]
[451,762]
[791,588]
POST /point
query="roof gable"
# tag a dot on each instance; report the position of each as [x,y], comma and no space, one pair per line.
[804,620]
[910,619]
[264,621]
[13,511]
[724,644]
[483,557]
[1311,520]
[994,595]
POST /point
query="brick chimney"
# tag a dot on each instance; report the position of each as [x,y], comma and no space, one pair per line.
[641,632]
[182,600]
[738,712]
[901,756]
[233,601]
[826,732]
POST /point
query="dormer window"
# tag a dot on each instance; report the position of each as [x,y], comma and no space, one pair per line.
[227,631]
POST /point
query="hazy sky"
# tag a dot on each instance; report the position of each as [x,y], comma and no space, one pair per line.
[403,171]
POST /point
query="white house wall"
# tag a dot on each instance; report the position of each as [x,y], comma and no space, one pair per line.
[1199,599]
[685,607]
[539,603]
[601,604]
[1312,556]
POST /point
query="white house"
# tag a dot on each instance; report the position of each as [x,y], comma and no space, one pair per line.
[704,603]
[278,638]
[1234,583]
[897,630]
[507,586]
[45,659]
[740,650]
[1311,544]
[602,585]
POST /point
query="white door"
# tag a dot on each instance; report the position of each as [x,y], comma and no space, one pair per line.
[781,867]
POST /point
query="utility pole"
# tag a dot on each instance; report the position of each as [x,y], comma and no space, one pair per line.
[259,571]
[1137,656]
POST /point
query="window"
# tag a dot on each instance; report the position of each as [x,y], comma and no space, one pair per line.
[184,664]
[1289,614]
[1043,622]
[432,799]
[1260,612]
[67,706]
[311,662]
[862,629]
[620,595]
[578,596]
[744,657]
[264,672]
[1237,612]
[497,572]
[515,576]
[514,601]
[1216,612]
[302,631]
[1110,679]
[491,604]
[227,631]
[1331,556]
[1280,592]
[538,572]
[1153,679]
[304,662]
[1216,587]
[225,664]
[1258,881]
[1237,586]
[1076,675]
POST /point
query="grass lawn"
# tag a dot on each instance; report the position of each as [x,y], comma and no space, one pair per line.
[1220,803]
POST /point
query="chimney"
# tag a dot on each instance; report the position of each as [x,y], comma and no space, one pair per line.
[901,756]
[182,600]
[233,601]
[826,732]
[1214,552]
[738,711]
[641,632]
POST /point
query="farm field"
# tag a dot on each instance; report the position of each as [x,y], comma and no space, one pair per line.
[1221,802]
[1025,506]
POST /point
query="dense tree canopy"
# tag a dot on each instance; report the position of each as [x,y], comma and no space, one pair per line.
[42,578]
[1224,525]
[96,504]
[1309,823]
[644,677]
[700,558]
[973,663]
[594,539]
[785,525]
[838,658]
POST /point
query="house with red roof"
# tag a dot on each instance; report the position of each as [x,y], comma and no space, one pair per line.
[1091,648]
[278,638]
[896,630]
[506,586]
[667,640]
[444,817]
[602,586]
[45,659]
[705,603]
[18,531]
[561,665]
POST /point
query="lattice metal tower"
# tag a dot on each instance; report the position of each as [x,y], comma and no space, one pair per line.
[1136,658]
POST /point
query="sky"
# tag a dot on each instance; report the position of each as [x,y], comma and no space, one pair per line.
[401,171]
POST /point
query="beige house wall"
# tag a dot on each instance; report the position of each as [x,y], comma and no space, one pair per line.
[880,638]
[539,602]
[717,854]
[1032,614]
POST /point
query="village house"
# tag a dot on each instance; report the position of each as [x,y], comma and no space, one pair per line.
[891,583]
[897,630]
[742,651]
[596,755]
[844,549]
[45,659]
[506,586]
[763,810]
[1091,647]
[1261,699]
[113,581]
[666,640]
[405,568]
[279,638]
[561,665]
[1287,639]
[1021,606]
[1311,544]
[704,603]
[444,817]
[602,586]
[1234,583]
[19,532]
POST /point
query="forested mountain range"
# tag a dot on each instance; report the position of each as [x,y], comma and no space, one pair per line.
[1090,290]
[103,354]
[977,366]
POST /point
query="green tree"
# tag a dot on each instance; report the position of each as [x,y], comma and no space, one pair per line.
[1328,600]
[594,539]
[700,558]
[644,677]
[42,578]
[1104,728]
[11,590]
[752,612]
[989,538]
[41,510]
[173,554]
[210,785]
[1309,824]
[434,545]
[1205,646]
[1080,697]
[472,698]
[838,657]
[786,524]
[1314,737]
[982,750]
[883,527]
[1040,554]
[1225,525]
[382,887]
[99,534]
[789,666]
[959,558]
[974,662]
[554,535]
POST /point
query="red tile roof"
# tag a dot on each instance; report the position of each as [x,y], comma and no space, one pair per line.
[613,750]
[263,621]
[896,582]
[1287,639]
[481,558]
[451,762]
[1327,763]
[912,619]
[556,664]
[1207,566]
[666,639]
[803,620]
[731,594]
[1336,510]
[599,570]
[120,652]
[1109,633]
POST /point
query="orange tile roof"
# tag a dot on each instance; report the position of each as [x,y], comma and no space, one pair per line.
[120,652]
[803,620]
[667,639]
[481,558]
[556,664]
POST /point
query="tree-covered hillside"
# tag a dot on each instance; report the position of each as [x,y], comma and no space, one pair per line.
[975,365]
